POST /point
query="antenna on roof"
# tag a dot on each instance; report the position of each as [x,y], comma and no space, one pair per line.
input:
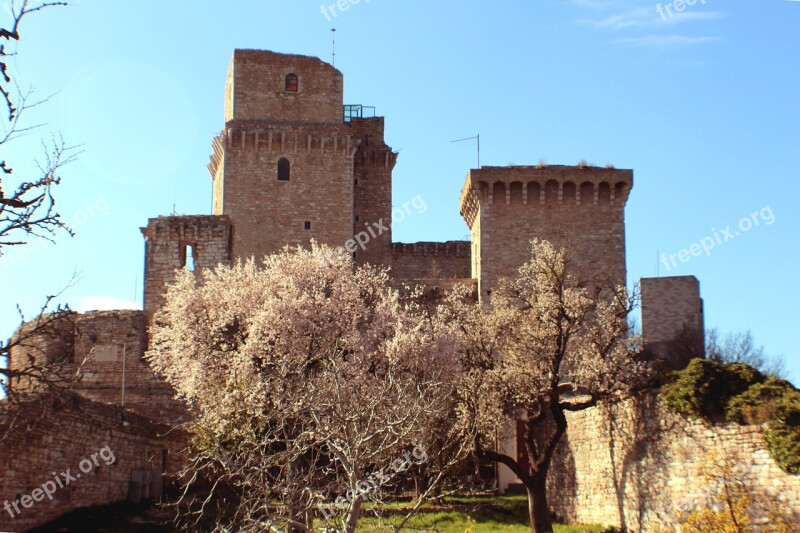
[478,137]
[333,44]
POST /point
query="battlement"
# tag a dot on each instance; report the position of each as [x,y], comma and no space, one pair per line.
[449,248]
[578,208]
[544,186]
[431,260]
[263,137]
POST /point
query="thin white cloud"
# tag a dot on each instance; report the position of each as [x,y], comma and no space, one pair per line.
[632,17]
[645,17]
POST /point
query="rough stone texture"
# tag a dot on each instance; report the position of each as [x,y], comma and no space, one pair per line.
[672,309]
[59,436]
[634,463]
[372,191]
[577,208]
[112,344]
[266,123]
[168,240]
[255,88]
[339,188]
[431,260]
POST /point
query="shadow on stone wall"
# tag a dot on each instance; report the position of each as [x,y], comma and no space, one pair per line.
[562,483]
[638,456]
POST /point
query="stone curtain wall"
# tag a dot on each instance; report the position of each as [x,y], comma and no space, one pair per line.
[431,260]
[631,463]
[55,437]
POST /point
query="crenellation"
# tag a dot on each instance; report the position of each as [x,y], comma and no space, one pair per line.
[503,198]
[289,166]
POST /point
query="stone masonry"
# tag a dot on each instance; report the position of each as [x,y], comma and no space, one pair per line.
[672,319]
[580,209]
[108,347]
[63,435]
[293,164]
[636,465]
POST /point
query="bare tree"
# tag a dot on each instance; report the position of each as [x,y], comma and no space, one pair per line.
[740,347]
[545,346]
[313,388]
[27,210]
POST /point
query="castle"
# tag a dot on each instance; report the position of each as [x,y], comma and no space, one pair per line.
[294,163]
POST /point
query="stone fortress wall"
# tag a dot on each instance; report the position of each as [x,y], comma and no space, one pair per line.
[291,164]
[636,465]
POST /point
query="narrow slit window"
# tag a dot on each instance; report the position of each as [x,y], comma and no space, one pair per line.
[307,225]
[284,169]
[292,83]
[188,258]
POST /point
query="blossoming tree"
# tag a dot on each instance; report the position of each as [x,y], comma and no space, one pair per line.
[311,384]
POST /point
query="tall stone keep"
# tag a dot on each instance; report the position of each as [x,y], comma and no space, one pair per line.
[580,209]
[291,165]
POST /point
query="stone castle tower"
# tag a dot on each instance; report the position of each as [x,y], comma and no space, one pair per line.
[293,163]
[580,209]
[289,166]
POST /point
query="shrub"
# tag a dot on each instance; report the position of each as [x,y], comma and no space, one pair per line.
[739,393]
[704,388]
[783,432]
[759,403]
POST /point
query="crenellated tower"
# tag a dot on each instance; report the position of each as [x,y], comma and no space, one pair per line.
[291,164]
[577,208]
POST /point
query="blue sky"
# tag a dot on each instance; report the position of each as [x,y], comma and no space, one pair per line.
[701,104]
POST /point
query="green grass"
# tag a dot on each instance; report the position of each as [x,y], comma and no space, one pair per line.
[498,514]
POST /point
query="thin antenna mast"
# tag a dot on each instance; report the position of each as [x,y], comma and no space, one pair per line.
[333,46]
[478,137]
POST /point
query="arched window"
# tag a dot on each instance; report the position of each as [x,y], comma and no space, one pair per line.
[291,83]
[284,169]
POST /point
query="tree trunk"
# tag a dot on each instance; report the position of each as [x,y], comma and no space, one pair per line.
[353,515]
[538,508]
